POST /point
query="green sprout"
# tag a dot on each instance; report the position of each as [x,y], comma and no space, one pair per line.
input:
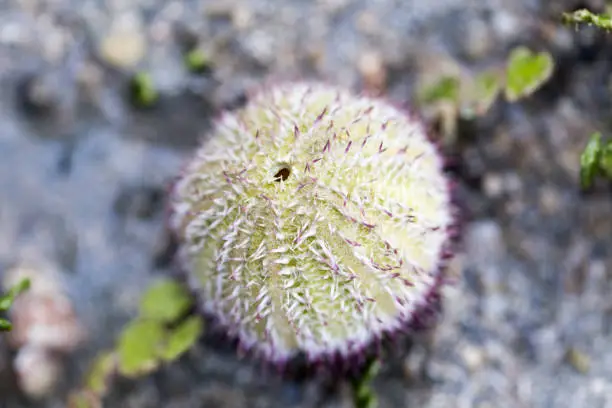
[445,89]
[363,394]
[595,160]
[166,301]
[161,333]
[157,336]
[142,90]
[7,300]
[605,161]
[524,73]
[97,378]
[584,16]
[481,94]
[197,62]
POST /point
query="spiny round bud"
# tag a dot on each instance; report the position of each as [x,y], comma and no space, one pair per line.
[313,220]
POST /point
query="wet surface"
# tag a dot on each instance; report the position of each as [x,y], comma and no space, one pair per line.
[83,177]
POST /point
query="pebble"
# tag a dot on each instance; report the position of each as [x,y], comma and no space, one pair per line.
[218,9]
[496,185]
[493,185]
[550,200]
[260,45]
[221,396]
[414,363]
[545,342]
[125,45]
[123,49]
[561,37]
[506,25]
[473,357]
[14,34]
[484,243]
[56,40]
[579,360]
[142,202]
[367,22]
[242,17]
[38,371]
[333,6]
[372,69]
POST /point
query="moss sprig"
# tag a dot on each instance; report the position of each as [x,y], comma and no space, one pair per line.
[585,16]
[7,300]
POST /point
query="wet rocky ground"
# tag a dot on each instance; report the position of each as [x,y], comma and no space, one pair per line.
[83,177]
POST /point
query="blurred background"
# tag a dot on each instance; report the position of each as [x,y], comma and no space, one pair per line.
[101,101]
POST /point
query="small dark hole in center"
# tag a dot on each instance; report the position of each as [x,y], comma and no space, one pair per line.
[283,174]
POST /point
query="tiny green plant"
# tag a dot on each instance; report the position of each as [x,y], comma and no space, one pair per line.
[524,73]
[7,300]
[595,161]
[161,333]
[585,16]
[482,92]
[142,90]
[363,394]
[596,158]
[446,89]
[197,62]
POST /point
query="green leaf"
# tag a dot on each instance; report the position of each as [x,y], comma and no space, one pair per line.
[21,287]
[142,90]
[590,160]
[197,62]
[84,399]
[578,360]
[367,400]
[139,347]
[100,372]
[447,88]
[7,300]
[605,161]
[372,371]
[165,301]
[182,338]
[526,72]
[481,93]
[5,325]
[363,394]
[5,303]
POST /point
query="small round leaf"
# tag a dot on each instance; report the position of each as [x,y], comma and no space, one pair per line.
[445,89]
[139,346]
[101,370]
[182,338]
[165,301]
[526,72]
